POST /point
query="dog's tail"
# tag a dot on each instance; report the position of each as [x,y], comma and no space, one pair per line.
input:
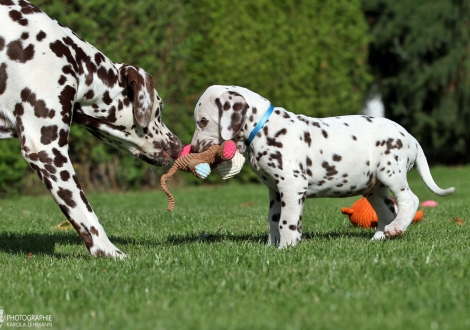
[423,170]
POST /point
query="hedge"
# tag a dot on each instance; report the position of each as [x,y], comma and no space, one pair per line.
[308,56]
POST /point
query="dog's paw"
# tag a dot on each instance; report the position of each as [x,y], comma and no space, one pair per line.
[393,231]
[289,242]
[378,236]
[109,252]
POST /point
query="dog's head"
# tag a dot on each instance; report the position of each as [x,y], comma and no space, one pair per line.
[128,116]
[220,115]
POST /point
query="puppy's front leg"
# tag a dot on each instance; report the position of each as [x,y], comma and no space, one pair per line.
[274,216]
[290,224]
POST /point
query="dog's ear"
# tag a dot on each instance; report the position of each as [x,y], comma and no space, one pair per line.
[141,85]
[232,110]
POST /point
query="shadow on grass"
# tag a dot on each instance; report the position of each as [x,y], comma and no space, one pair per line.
[260,238]
[44,243]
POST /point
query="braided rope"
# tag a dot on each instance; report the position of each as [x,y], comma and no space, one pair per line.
[212,156]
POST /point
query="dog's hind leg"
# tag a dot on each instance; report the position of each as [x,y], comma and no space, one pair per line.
[385,209]
[407,204]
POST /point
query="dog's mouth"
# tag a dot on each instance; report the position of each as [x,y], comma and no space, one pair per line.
[203,146]
[167,153]
[156,160]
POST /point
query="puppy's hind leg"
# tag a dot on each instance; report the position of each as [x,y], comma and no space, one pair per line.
[407,205]
[385,209]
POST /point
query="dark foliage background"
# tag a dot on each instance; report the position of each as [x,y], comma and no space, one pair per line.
[420,57]
[308,56]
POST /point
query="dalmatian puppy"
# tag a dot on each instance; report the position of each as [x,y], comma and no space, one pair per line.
[49,78]
[298,157]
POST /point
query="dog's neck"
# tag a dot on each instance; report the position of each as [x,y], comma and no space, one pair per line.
[253,116]
[258,107]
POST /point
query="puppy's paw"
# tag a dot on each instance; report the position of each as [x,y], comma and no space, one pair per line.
[378,236]
[393,231]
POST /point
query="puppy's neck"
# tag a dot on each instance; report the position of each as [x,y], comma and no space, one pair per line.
[254,115]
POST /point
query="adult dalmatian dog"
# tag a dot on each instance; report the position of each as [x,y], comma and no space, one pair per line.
[298,157]
[49,78]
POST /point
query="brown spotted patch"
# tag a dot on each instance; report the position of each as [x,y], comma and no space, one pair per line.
[16,52]
[94,231]
[390,145]
[59,159]
[109,77]
[40,36]
[62,80]
[85,201]
[274,140]
[337,158]
[17,17]
[28,8]
[330,169]
[49,134]
[66,98]
[3,78]
[67,196]
[64,175]
[61,50]
[277,156]
[86,236]
[106,98]
[63,137]
[307,138]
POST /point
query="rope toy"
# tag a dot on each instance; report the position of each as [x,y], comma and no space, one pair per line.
[199,164]
[362,214]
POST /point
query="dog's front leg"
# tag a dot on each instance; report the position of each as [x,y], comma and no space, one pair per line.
[292,204]
[52,164]
[274,216]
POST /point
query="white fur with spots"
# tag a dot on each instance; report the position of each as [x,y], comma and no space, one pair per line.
[299,157]
[49,77]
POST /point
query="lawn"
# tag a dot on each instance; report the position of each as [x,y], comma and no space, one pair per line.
[206,265]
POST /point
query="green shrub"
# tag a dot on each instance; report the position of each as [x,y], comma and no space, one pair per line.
[420,57]
[307,56]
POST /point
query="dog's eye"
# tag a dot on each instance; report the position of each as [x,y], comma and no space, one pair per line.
[203,122]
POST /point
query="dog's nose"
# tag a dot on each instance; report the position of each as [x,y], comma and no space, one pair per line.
[194,148]
[175,147]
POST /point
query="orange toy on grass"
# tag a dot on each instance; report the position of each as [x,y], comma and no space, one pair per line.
[362,214]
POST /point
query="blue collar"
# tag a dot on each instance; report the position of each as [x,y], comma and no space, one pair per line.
[260,125]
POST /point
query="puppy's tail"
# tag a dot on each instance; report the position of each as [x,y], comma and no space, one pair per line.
[423,170]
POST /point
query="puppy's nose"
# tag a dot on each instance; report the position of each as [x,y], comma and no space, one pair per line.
[194,148]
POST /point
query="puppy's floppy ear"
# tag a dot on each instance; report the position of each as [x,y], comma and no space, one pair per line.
[140,84]
[232,110]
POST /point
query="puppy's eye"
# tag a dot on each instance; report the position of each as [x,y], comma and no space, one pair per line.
[203,122]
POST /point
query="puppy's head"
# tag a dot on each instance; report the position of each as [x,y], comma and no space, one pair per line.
[219,116]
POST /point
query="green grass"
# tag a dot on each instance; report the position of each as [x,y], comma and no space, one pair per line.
[207,266]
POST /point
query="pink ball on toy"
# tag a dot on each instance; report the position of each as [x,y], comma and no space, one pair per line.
[186,150]
[230,149]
